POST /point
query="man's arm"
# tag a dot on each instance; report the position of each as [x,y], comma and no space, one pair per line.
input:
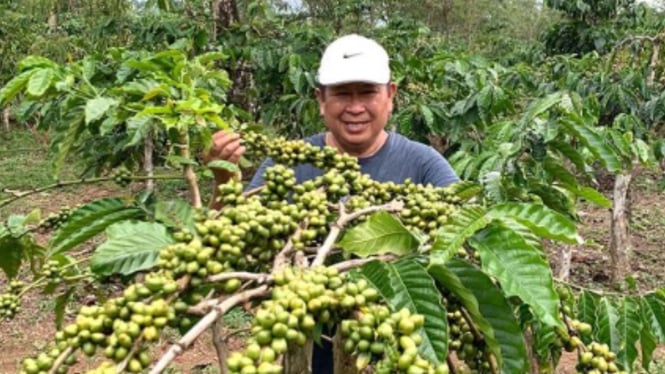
[437,170]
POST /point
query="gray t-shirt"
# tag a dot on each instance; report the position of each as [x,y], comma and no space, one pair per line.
[398,159]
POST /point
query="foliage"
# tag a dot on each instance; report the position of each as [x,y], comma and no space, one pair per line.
[103,106]
[531,131]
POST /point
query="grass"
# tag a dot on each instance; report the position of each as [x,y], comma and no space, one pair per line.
[24,165]
[23,162]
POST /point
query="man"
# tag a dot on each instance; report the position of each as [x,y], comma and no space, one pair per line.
[355,96]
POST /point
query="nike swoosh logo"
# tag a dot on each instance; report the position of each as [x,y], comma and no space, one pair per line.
[349,55]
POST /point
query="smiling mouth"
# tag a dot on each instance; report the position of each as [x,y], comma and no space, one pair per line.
[355,126]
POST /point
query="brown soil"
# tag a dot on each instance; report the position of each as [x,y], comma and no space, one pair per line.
[591,262]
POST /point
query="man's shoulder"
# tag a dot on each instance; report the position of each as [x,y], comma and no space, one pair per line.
[318,140]
[402,143]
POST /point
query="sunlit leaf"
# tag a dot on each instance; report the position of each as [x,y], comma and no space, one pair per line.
[381,233]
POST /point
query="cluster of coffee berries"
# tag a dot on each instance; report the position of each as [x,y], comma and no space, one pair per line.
[316,212]
[245,236]
[54,220]
[10,302]
[116,326]
[52,271]
[44,362]
[468,347]
[597,358]
[122,177]
[294,152]
[230,193]
[301,299]
[279,181]
[389,341]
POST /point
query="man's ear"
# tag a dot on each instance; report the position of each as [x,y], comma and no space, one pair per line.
[392,89]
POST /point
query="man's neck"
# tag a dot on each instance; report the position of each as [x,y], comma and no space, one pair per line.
[360,153]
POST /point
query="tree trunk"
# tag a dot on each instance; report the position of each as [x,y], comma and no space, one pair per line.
[534,364]
[148,166]
[224,13]
[188,171]
[52,21]
[5,118]
[343,362]
[565,256]
[298,360]
[220,345]
[620,245]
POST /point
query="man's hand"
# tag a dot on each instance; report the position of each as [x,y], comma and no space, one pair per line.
[227,147]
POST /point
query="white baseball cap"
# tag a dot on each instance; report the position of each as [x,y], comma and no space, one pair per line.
[354,58]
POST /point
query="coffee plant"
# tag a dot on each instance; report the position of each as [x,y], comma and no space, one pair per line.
[416,279]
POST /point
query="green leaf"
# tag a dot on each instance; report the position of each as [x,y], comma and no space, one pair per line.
[648,344]
[406,284]
[542,220]
[175,213]
[490,311]
[210,56]
[66,141]
[596,144]
[540,106]
[653,313]
[658,149]
[484,100]
[11,253]
[34,217]
[138,128]
[607,317]
[14,87]
[381,233]
[619,142]
[14,248]
[32,62]
[179,160]
[554,197]
[39,82]
[61,305]
[129,247]
[628,327]
[521,269]
[450,237]
[642,150]
[586,309]
[222,164]
[545,337]
[379,274]
[97,107]
[593,196]
[427,114]
[557,171]
[465,190]
[569,152]
[89,220]
[157,91]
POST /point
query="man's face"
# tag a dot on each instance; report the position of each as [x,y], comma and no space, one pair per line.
[356,113]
